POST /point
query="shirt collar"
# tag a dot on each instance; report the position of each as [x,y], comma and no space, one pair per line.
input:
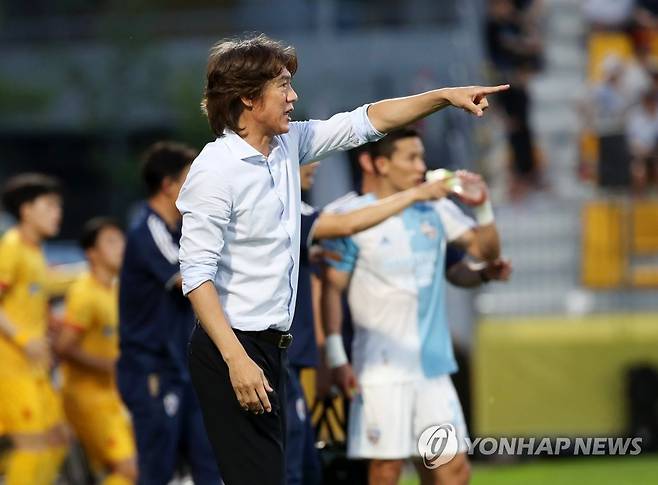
[244,150]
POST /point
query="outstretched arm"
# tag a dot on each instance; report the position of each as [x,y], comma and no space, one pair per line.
[390,114]
[331,225]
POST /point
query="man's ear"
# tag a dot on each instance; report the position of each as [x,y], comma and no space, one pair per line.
[167,184]
[247,102]
[366,163]
[24,208]
[380,165]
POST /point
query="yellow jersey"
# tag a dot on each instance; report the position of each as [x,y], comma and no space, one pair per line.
[92,308]
[23,298]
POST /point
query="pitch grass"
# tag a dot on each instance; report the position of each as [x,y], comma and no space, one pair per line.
[628,470]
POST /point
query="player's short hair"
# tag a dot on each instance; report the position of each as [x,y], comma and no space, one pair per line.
[92,229]
[164,159]
[240,68]
[386,146]
[25,188]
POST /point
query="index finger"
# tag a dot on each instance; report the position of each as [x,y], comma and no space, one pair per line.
[493,89]
[262,395]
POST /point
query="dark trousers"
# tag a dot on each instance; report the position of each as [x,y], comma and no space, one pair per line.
[168,428]
[302,459]
[249,448]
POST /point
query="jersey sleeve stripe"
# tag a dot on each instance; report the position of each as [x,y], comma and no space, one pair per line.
[162,239]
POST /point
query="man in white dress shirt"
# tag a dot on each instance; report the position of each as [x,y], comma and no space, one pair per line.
[239,251]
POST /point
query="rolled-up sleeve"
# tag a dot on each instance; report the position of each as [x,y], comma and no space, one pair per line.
[320,138]
[205,203]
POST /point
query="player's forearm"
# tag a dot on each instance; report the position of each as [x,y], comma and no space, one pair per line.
[208,309]
[316,296]
[91,362]
[487,241]
[12,332]
[333,352]
[332,309]
[331,226]
[390,114]
[461,275]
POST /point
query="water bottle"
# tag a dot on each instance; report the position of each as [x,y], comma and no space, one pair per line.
[470,192]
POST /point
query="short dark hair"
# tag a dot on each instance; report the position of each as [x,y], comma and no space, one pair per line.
[92,229]
[164,159]
[240,68]
[25,188]
[386,146]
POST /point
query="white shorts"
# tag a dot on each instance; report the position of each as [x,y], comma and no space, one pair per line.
[386,420]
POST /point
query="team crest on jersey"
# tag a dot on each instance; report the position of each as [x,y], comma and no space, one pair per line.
[34,288]
[171,404]
[108,330]
[428,230]
[385,241]
[373,435]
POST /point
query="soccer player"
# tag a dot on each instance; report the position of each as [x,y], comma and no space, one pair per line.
[30,409]
[402,351]
[302,465]
[155,322]
[88,343]
[241,238]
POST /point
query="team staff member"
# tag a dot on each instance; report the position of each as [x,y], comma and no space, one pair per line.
[88,343]
[240,239]
[155,324]
[30,409]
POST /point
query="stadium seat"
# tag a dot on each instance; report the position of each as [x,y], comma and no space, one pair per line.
[645,276]
[603,255]
[645,227]
[644,242]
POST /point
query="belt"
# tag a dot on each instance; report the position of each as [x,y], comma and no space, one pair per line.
[281,339]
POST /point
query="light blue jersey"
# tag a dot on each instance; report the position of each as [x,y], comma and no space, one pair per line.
[396,292]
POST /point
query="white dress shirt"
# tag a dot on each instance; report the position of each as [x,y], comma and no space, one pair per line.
[241,217]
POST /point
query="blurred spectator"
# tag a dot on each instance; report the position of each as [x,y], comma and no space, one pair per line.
[515,49]
[642,138]
[516,104]
[640,72]
[609,99]
[608,14]
[511,41]
[606,112]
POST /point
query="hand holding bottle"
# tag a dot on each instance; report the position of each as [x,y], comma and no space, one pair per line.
[468,186]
